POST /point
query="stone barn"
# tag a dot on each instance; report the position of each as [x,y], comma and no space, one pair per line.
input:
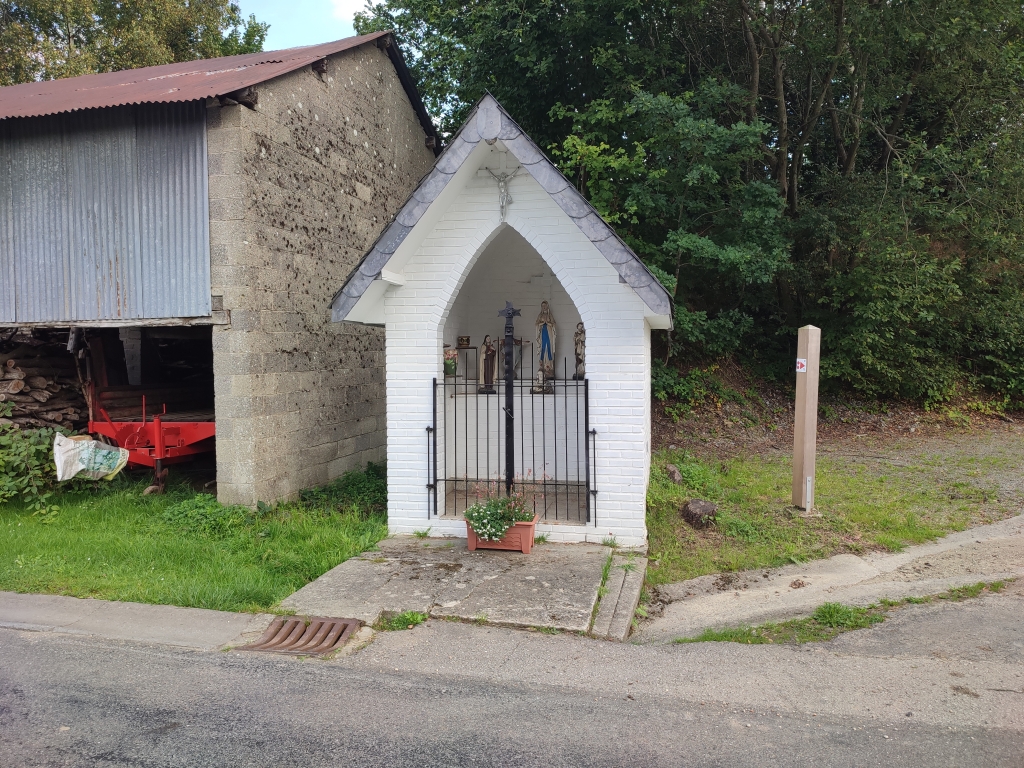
[187,223]
[495,225]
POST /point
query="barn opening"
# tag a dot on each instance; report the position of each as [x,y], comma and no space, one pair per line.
[147,389]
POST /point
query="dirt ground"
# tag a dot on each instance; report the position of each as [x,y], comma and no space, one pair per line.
[758,418]
[966,442]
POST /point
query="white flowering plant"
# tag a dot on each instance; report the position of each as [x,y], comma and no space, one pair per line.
[492,518]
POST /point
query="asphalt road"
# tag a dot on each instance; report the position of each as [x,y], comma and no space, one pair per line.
[456,695]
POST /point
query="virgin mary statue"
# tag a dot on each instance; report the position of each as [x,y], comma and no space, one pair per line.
[546,332]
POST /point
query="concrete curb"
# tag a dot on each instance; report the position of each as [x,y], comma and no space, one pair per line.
[137,622]
[606,609]
[629,599]
[625,583]
[721,600]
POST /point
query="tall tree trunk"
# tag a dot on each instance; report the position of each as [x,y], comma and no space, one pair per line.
[755,63]
[782,117]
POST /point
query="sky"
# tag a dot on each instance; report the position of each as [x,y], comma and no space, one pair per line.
[303,22]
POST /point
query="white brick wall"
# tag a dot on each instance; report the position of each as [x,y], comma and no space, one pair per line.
[618,348]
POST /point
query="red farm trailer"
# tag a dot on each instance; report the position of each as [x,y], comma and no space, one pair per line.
[160,421]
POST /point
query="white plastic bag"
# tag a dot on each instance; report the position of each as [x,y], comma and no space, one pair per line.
[84,456]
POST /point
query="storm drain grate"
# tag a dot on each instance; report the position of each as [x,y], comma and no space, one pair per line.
[304,636]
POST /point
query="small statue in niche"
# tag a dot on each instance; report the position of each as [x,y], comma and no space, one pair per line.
[541,386]
[488,363]
[546,332]
[579,340]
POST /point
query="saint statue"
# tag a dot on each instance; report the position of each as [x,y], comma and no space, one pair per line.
[546,342]
[488,363]
[580,347]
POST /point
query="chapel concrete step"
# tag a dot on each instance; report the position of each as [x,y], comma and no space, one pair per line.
[614,620]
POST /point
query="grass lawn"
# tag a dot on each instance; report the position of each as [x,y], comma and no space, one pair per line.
[185,549]
[862,508]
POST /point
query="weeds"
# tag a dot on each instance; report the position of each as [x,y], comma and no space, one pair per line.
[828,621]
[682,393]
[365,491]
[832,619]
[27,470]
[630,565]
[399,621]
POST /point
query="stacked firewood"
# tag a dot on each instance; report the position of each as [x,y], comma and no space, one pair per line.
[41,382]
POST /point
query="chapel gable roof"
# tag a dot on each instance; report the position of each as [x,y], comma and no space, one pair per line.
[489,122]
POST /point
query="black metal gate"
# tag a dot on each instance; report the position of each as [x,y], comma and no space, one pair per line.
[552,444]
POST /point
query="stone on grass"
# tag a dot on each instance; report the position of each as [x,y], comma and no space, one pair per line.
[699,513]
[674,474]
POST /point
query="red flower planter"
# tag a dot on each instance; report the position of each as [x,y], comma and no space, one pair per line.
[518,537]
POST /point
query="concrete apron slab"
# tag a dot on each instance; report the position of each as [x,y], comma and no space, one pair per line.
[555,586]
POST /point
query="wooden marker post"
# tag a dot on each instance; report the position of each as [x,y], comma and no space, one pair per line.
[805,429]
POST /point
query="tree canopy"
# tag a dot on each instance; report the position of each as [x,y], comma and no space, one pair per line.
[49,39]
[855,164]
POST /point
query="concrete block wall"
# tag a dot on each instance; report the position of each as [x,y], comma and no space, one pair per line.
[299,188]
[618,356]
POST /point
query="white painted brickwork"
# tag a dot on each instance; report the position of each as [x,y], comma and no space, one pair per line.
[618,351]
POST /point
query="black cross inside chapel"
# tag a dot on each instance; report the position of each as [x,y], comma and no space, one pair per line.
[508,313]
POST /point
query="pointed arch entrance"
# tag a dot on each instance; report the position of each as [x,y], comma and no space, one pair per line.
[532,420]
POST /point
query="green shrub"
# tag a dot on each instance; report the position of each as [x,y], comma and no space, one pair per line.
[205,515]
[682,393]
[366,490]
[27,471]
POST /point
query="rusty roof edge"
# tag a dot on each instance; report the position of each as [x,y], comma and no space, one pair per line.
[409,84]
[21,100]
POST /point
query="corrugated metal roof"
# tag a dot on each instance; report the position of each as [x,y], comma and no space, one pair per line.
[188,81]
